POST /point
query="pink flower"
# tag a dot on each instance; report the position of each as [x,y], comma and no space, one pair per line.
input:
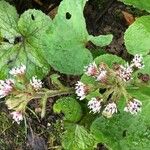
[81,90]
[102,72]
[18,70]
[17,116]
[137,61]
[94,105]
[6,87]
[125,73]
[133,106]
[91,69]
[36,83]
[109,110]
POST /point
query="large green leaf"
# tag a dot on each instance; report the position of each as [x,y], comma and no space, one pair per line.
[69,107]
[77,138]
[137,36]
[68,47]
[24,40]
[142,4]
[124,131]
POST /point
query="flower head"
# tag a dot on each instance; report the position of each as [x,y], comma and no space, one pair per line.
[133,106]
[137,61]
[125,73]
[81,90]
[91,69]
[109,110]
[6,87]
[94,105]
[18,70]
[36,83]
[101,75]
[17,116]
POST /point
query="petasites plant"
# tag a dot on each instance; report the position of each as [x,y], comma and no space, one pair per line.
[18,91]
[113,101]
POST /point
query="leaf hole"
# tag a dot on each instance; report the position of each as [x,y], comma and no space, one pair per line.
[68,15]
[32,17]
[124,133]
[18,39]
[102,91]
[5,40]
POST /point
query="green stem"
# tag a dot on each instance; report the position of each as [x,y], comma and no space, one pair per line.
[44,102]
[53,93]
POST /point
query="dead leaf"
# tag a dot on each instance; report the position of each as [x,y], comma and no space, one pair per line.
[128,17]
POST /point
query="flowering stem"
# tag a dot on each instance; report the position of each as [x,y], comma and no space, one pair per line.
[53,93]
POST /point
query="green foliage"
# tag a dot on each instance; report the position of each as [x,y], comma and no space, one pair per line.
[124,131]
[141,4]
[69,107]
[101,40]
[146,69]
[77,138]
[137,36]
[68,53]
[22,40]
[109,59]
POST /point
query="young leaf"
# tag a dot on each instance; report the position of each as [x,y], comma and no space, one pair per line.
[137,36]
[69,107]
[77,138]
[101,40]
[142,4]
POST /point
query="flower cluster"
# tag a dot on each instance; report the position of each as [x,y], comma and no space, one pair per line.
[137,61]
[81,90]
[36,83]
[18,70]
[109,110]
[6,87]
[109,80]
[9,86]
[98,72]
[125,72]
[95,105]
[133,106]
[17,116]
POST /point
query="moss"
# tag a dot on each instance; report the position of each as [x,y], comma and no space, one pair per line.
[11,135]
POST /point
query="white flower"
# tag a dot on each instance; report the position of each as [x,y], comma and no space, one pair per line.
[18,70]
[17,116]
[109,110]
[133,106]
[36,83]
[125,73]
[94,105]
[101,75]
[137,61]
[81,90]
[6,87]
[91,69]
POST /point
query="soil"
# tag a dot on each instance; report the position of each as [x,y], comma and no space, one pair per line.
[101,18]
